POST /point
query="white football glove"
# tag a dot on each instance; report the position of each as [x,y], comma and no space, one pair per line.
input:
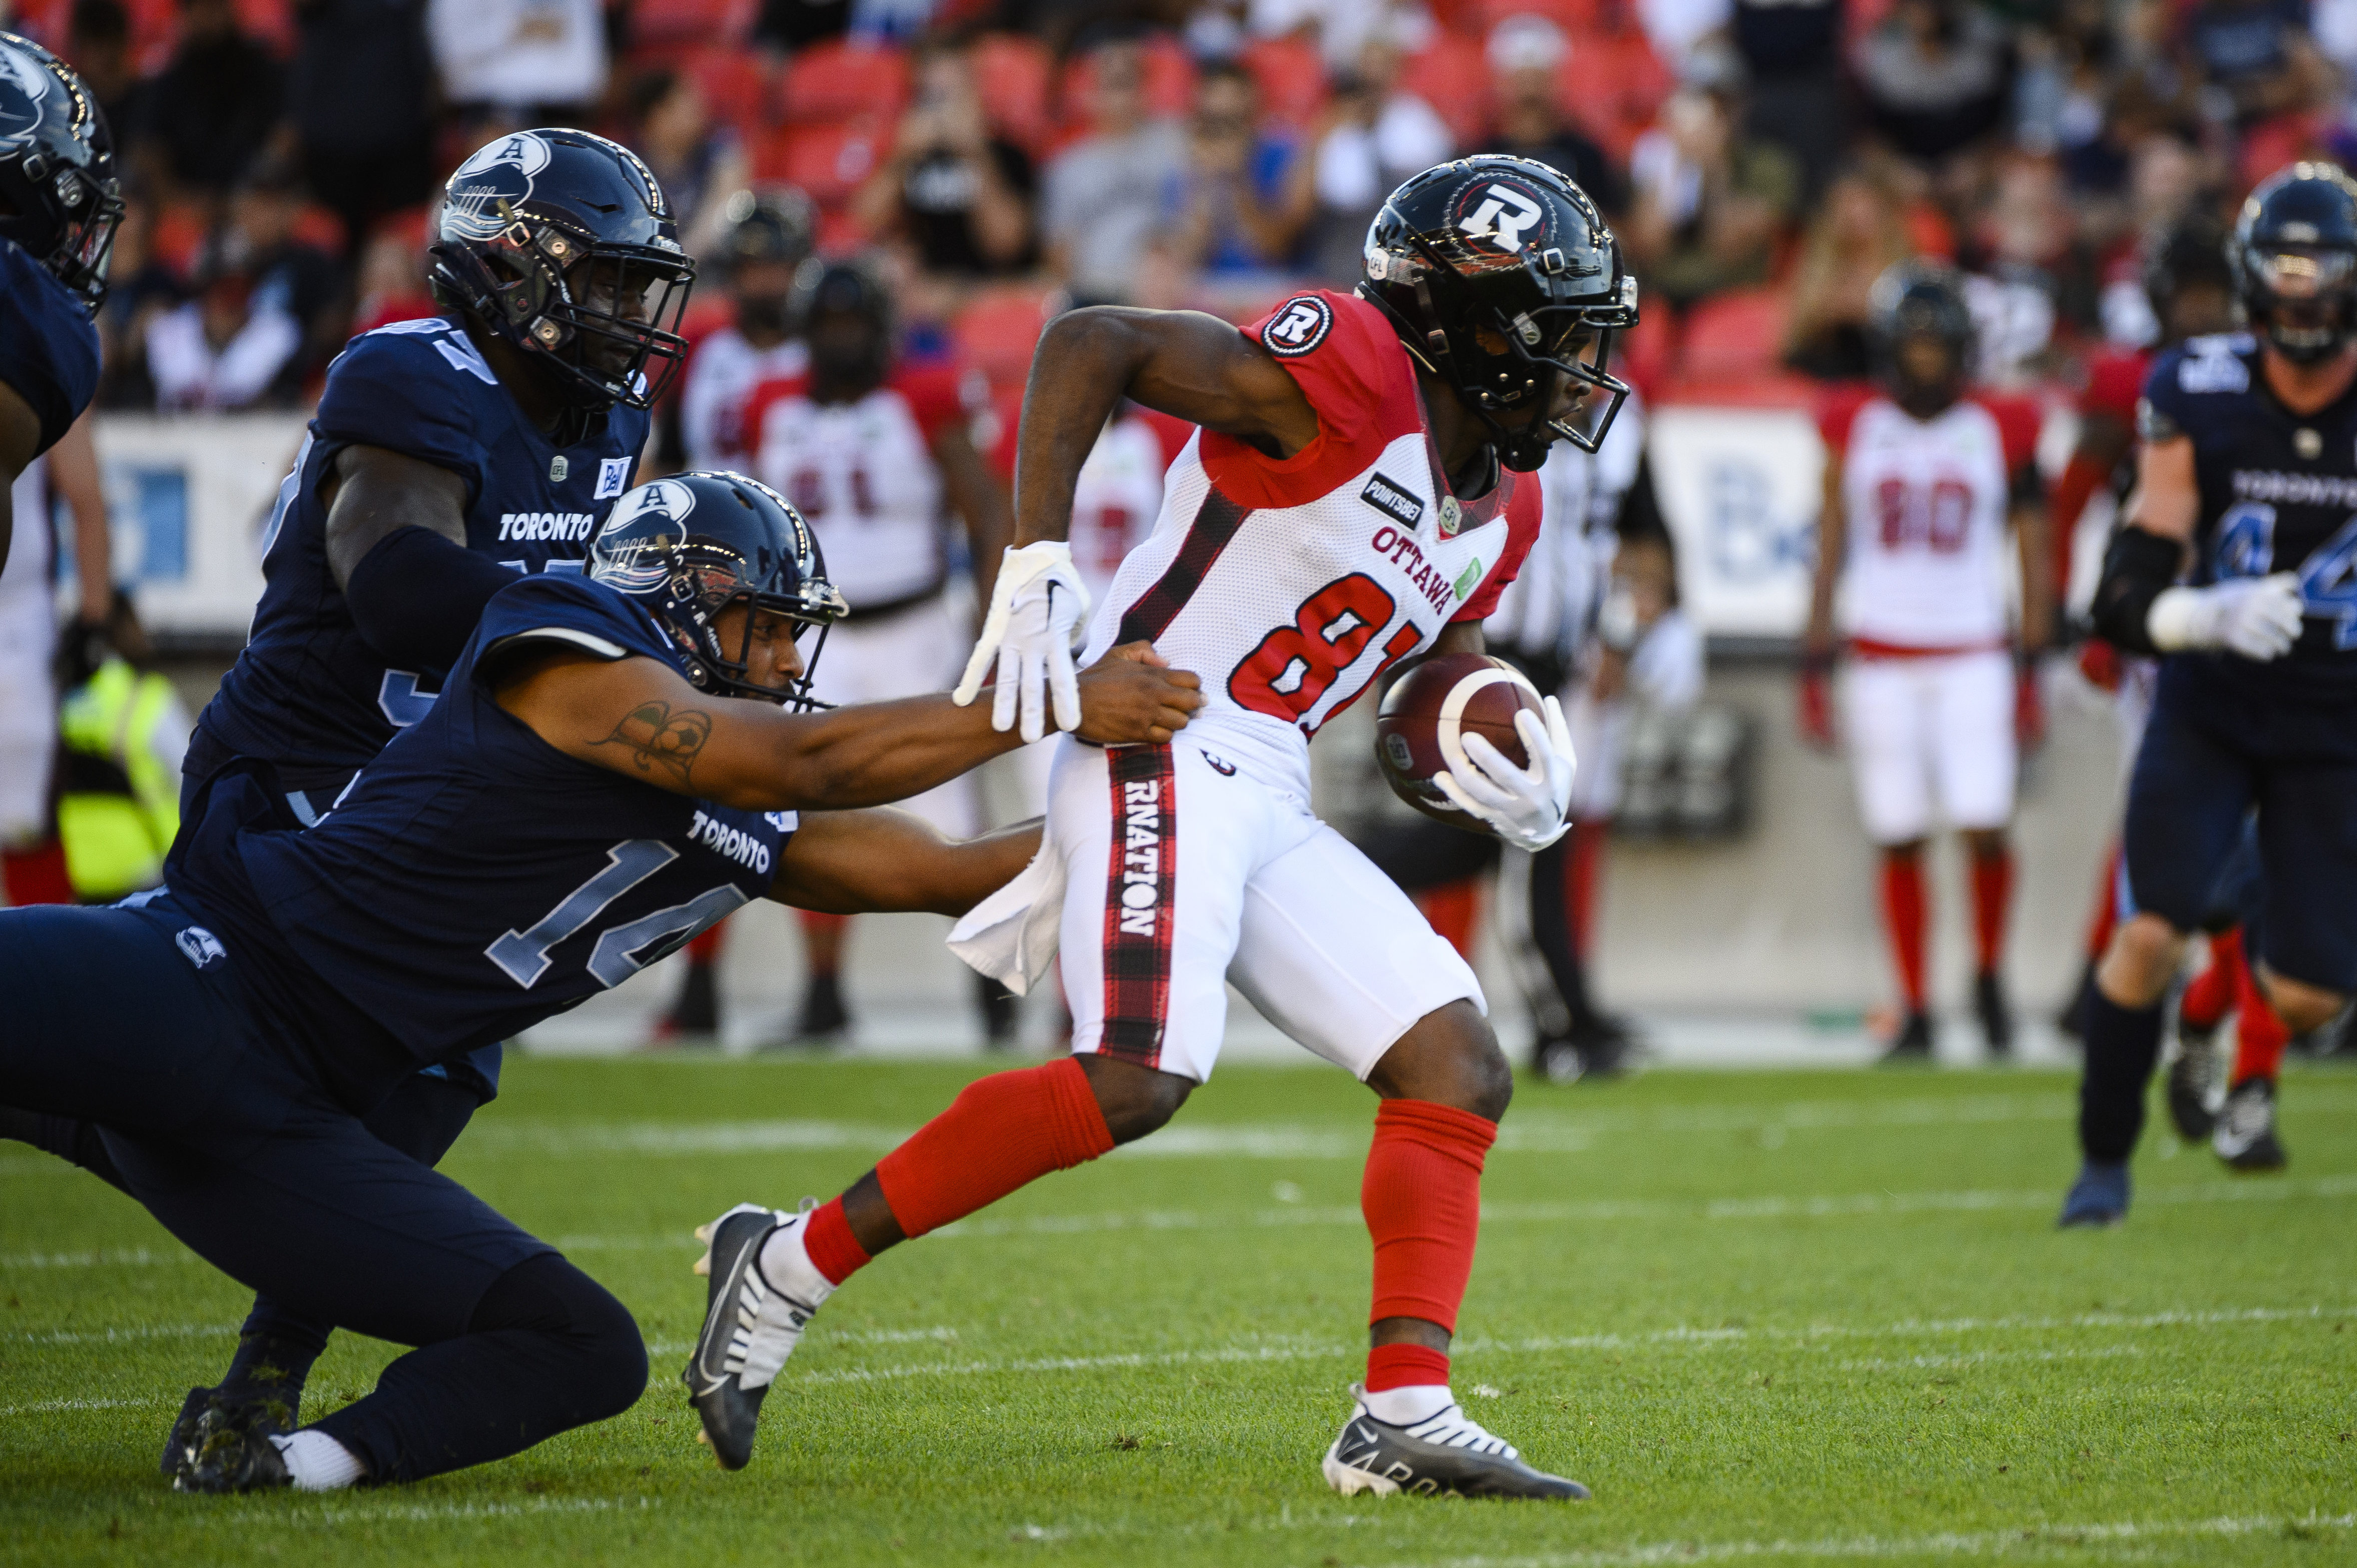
[1527,807]
[1037,605]
[2257,618]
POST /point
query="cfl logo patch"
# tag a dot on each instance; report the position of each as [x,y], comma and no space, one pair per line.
[1298,327]
[198,946]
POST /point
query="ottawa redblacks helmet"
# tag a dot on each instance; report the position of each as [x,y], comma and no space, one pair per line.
[1921,299]
[560,242]
[1501,277]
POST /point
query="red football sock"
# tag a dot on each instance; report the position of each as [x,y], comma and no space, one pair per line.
[36,876]
[1451,908]
[834,1250]
[2209,994]
[703,948]
[1992,900]
[2260,1035]
[1903,910]
[1580,869]
[1422,1199]
[1001,1132]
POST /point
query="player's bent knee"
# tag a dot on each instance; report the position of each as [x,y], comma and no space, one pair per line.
[2300,1005]
[586,1338]
[1134,1100]
[1450,1057]
[2142,959]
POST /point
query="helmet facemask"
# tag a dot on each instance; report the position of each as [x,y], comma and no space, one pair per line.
[2304,297]
[606,317]
[711,582]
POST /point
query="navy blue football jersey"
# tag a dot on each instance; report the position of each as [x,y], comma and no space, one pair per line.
[48,350]
[2278,494]
[474,880]
[308,695]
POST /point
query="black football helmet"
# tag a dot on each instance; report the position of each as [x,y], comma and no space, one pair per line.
[1921,299]
[691,546]
[1501,276]
[775,224]
[561,242]
[2189,253]
[846,289]
[2295,260]
[58,199]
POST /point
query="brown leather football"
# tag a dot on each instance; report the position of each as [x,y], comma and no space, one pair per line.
[1420,726]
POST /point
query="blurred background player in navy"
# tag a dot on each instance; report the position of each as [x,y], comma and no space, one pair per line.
[449,455]
[59,208]
[2246,470]
[611,770]
[1921,483]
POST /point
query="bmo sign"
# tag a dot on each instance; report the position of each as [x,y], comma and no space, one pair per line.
[1739,489]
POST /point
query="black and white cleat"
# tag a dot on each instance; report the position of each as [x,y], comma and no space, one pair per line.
[2192,1089]
[749,1330]
[1446,1455]
[229,1450]
[269,1413]
[2245,1135]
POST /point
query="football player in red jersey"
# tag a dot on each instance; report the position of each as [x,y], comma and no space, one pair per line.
[1920,486]
[1360,491]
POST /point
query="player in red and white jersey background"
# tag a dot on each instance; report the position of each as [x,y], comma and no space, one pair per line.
[768,236]
[1360,491]
[1921,484]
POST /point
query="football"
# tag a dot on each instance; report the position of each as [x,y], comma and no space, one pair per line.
[1420,727]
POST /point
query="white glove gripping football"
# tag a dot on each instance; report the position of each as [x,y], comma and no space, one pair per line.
[1037,605]
[1527,807]
[2257,618]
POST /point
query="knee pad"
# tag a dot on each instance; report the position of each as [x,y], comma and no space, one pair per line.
[605,1358]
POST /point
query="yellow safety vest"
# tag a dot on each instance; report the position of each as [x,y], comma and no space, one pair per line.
[120,809]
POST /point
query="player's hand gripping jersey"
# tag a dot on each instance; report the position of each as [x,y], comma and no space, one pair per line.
[308,694]
[474,880]
[2278,494]
[1927,503]
[1289,585]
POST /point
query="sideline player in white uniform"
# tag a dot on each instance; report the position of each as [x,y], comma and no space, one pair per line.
[874,454]
[1920,484]
[32,860]
[1361,492]
[770,234]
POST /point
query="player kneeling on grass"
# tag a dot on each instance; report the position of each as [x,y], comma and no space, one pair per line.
[1361,489]
[607,772]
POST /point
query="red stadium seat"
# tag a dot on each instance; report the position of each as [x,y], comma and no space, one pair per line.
[735,85]
[838,80]
[1452,74]
[1734,336]
[828,162]
[1170,84]
[1613,85]
[1016,77]
[272,21]
[998,330]
[658,24]
[1648,352]
[1292,78]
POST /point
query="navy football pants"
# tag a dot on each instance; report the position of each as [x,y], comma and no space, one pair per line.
[227,1138]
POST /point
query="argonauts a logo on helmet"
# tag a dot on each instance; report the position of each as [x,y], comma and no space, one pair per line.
[23,87]
[634,565]
[499,175]
[1507,213]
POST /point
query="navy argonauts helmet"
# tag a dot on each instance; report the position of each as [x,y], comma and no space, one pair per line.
[58,199]
[561,242]
[2295,260]
[691,546]
[1921,299]
[1501,276]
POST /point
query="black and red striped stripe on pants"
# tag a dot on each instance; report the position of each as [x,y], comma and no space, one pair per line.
[1141,876]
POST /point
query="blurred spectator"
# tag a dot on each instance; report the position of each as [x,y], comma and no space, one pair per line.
[288,274]
[696,164]
[959,195]
[98,45]
[2030,277]
[1859,230]
[360,95]
[391,285]
[1341,28]
[1372,137]
[227,349]
[1934,73]
[1106,194]
[790,24]
[2259,56]
[1241,212]
[1710,203]
[139,287]
[1675,27]
[1792,56]
[532,61]
[1527,55]
[209,110]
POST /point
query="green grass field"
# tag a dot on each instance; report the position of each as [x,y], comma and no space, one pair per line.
[1804,1315]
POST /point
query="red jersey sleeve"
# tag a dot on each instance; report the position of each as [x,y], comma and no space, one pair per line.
[1837,411]
[2018,420]
[1348,361]
[2115,381]
[757,404]
[1523,513]
[939,396]
[1169,430]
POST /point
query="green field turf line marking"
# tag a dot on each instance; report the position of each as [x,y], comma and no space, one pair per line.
[115,1335]
[43,1407]
[2033,1537]
[303,1511]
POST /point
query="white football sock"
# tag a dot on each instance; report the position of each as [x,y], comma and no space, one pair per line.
[786,1267]
[1406,1406]
[318,1462]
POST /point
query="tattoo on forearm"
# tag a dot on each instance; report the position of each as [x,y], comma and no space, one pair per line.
[658,738]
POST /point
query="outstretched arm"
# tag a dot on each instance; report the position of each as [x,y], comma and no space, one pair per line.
[858,862]
[640,718]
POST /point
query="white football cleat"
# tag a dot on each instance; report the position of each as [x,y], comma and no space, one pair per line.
[750,1329]
[1446,1455]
